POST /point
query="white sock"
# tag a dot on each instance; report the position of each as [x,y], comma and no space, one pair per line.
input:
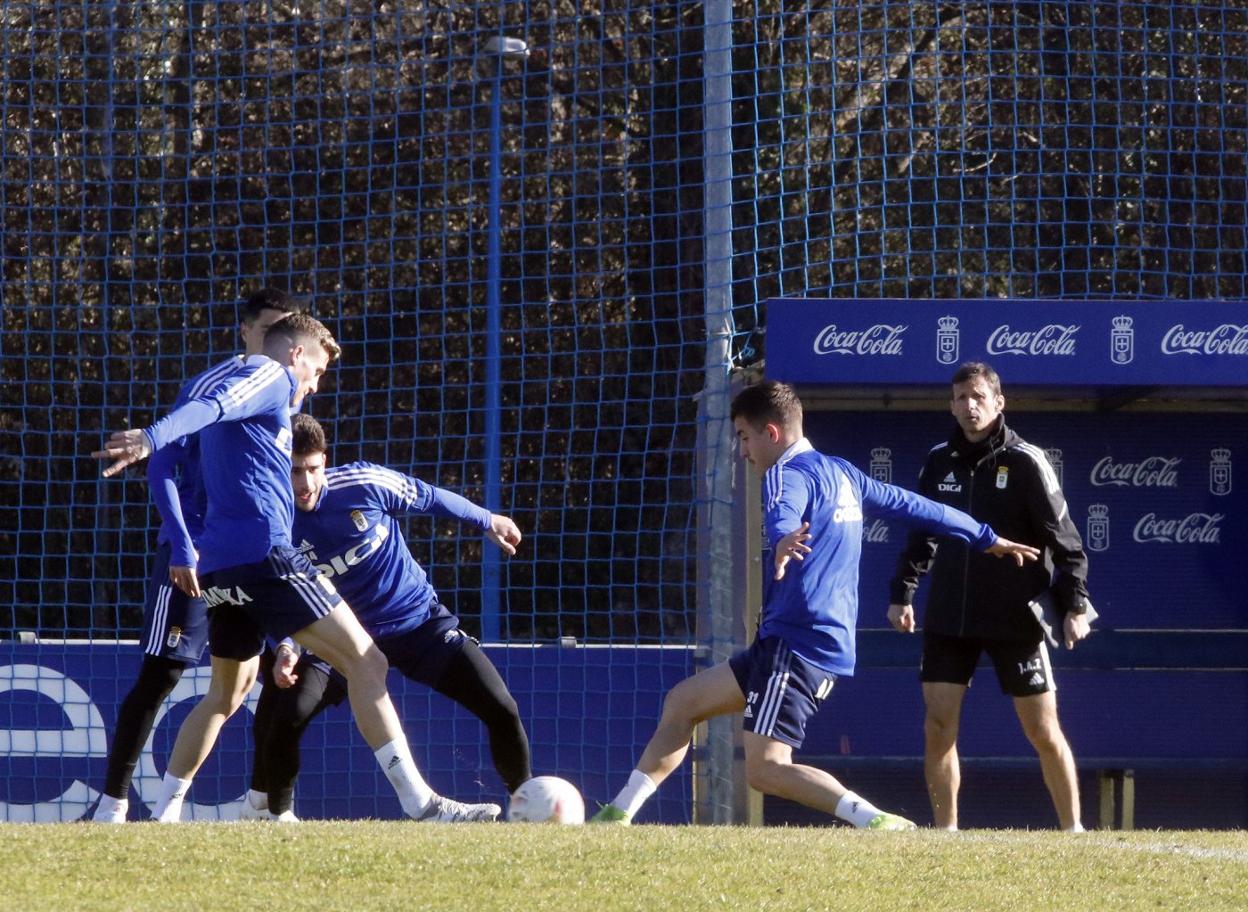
[634,794]
[397,763]
[111,810]
[172,792]
[258,800]
[853,808]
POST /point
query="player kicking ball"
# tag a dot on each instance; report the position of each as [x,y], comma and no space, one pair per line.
[345,524]
[810,610]
[254,581]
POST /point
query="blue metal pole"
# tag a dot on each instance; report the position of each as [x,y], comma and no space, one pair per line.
[491,558]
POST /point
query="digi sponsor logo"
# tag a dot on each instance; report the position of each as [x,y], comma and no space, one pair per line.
[949,485]
[875,533]
[880,339]
[1227,339]
[341,563]
[1054,456]
[1097,537]
[1122,341]
[1150,472]
[1220,471]
[1052,339]
[1192,529]
[947,339]
[882,465]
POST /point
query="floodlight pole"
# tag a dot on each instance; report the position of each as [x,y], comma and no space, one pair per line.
[497,49]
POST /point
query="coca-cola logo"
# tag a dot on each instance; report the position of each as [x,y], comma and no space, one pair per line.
[1053,339]
[875,532]
[880,339]
[1151,472]
[1227,339]
[1193,529]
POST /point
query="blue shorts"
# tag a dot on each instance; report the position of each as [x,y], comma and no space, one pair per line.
[175,626]
[277,596]
[782,690]
[420,654]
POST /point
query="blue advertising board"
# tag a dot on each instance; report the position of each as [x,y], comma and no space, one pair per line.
[588,711]
[1032,342]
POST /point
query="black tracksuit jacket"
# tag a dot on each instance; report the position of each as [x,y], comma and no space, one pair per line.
[1008,483]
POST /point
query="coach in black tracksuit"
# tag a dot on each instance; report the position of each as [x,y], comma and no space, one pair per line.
[978,604]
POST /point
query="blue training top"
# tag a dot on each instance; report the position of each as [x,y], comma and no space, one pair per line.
[350,535]
[245,461]
[814,608]
[174,477]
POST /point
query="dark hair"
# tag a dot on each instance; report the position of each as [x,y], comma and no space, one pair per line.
[307,435]
[267,299]
[768,403]
[972,369]
[301,327]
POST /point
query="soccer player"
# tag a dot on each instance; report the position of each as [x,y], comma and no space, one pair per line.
[345,524]
[813,508]
[175,620]
[255,582]
[978,606]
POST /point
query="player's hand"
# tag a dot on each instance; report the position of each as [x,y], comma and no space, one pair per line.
[792,547]
[1076,627]
[185,579]
[1003,547]
[901,617]
[284,666]
[124,448]
[503,532]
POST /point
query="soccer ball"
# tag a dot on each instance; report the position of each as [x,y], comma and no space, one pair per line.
[547,799]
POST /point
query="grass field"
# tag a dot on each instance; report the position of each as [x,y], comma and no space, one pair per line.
[393,865]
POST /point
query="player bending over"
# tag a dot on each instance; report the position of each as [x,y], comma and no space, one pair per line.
[806,631]
[345,524]
[255,582]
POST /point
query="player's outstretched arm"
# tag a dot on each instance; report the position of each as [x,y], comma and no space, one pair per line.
[1003,547]
[124,448]
[503,532]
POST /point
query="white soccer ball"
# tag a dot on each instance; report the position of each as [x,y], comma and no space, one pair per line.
[547,799]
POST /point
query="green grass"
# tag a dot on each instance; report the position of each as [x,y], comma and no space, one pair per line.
[516,868]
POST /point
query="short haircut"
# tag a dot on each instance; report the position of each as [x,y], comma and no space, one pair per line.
[307,435]
[972,369]
[768,403]
[267,299]
[297,328]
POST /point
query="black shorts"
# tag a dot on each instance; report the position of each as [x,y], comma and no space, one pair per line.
[420,654]
[1023,667]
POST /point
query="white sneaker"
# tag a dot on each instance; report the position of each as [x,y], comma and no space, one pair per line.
[111,810]
[286,816]
[448,810]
